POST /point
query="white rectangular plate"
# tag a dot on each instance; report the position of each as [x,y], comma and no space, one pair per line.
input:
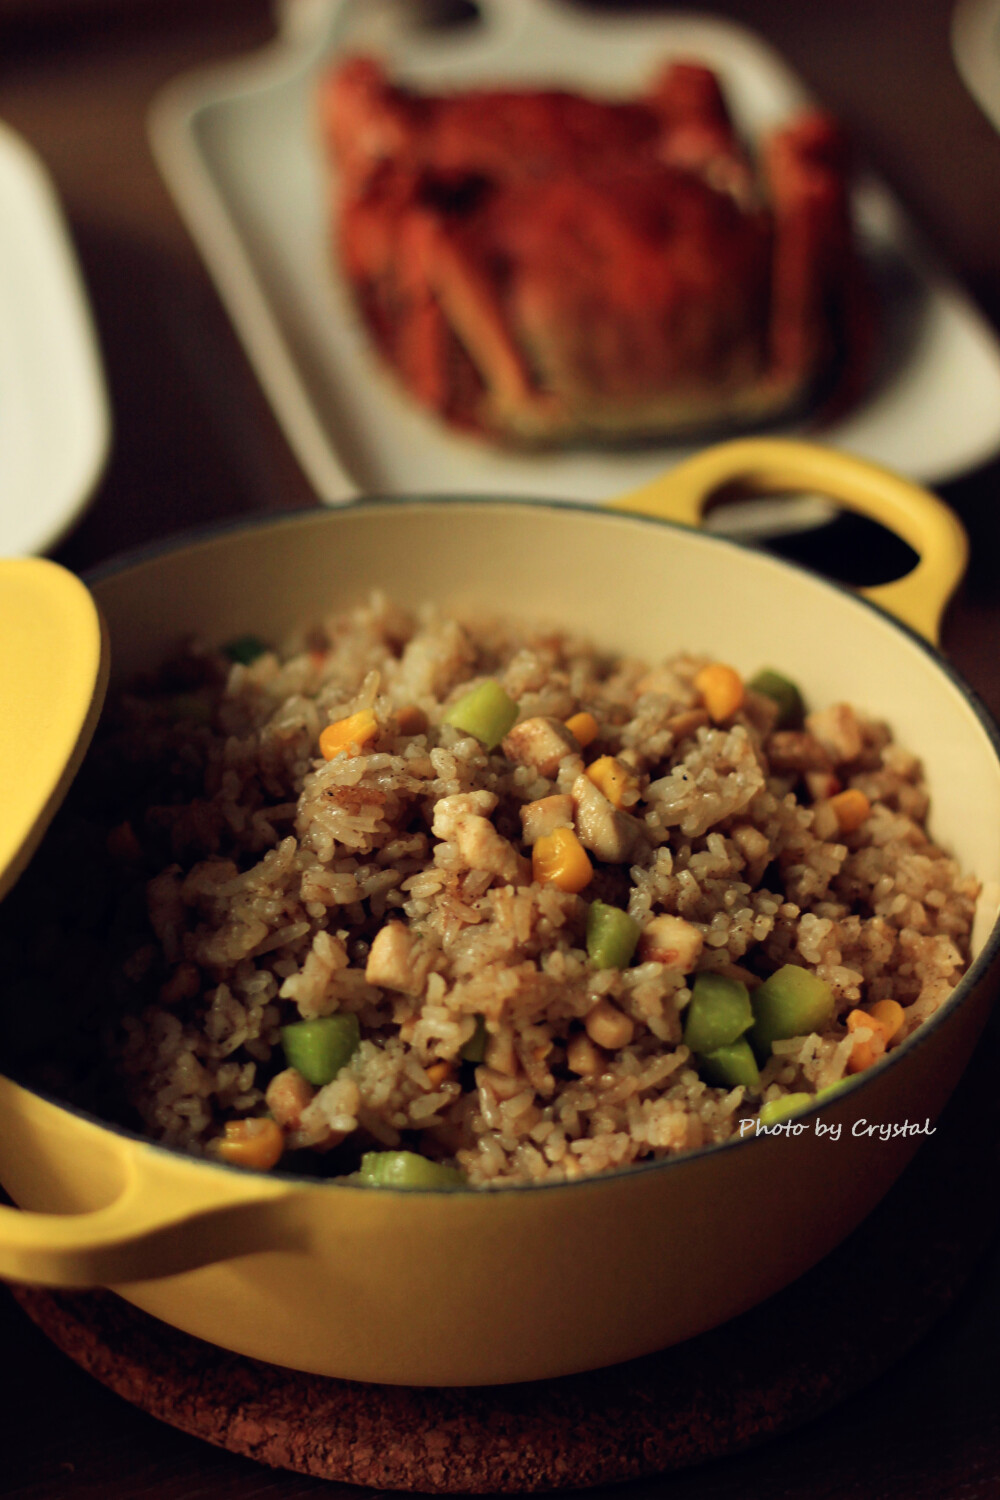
[54,423]
[240,148]
[975,42]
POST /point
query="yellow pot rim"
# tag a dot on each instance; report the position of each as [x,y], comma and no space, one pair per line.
[304,514]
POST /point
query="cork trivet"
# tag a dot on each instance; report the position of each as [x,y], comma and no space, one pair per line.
[765,1372]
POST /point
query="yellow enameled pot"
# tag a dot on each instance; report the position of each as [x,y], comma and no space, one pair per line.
[425,1287]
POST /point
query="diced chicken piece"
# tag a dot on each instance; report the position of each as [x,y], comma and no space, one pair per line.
[612,835]
[287,1095]
[839,732]
[541,743]
[798,751]
[479,845]
[671,941]
[449,811]
[482,848]
[538,819]
[398,960]
[608,1027]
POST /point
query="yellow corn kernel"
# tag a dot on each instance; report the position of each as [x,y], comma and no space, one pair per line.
[438,1073]
[890,1015]
[858,1018]
[721,688]
[613,779]
[411,719]
[560,859]
[357,729]
[863,1055]
[866,1052]
[584,729]
[850,808]
[254,1143]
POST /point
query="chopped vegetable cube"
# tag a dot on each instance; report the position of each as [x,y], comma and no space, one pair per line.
[487,712]
[474,1049]
[320,1048]
[245,649]
[793,1002]
[731,1065]
[791,709]
[405,1169]
[611,936]
[718,1014]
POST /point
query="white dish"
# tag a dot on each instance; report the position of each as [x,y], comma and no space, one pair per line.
[975,42]
[240,151]
[54,422]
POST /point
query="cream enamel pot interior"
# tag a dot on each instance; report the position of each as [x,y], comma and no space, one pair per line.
[469,1288]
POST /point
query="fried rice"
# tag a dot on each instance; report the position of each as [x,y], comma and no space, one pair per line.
[215,878]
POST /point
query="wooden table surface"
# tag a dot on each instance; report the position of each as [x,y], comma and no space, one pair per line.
[194,440]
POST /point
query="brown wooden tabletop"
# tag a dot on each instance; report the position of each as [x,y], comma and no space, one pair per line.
[194,440]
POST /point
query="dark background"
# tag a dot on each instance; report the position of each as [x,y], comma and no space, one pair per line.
[193,439]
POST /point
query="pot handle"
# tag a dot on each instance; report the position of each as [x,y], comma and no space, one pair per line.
[159,1225]
[776,465]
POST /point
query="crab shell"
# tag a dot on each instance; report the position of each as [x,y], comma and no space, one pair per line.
[544,267]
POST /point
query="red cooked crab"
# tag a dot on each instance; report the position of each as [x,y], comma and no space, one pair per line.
[544,267]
